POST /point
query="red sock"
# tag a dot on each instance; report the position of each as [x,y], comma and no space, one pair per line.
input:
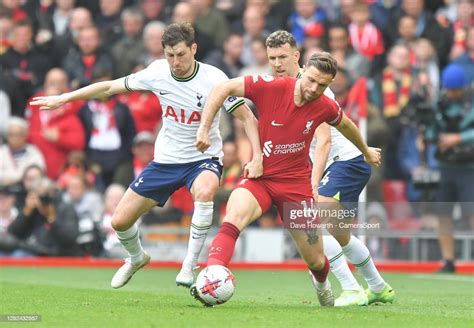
[321,275]
[222,247]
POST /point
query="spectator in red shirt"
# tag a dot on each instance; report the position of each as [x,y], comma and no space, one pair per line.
[76,165]
[465,20]
[145,108]
[365,37]
[17,13]
[55,133]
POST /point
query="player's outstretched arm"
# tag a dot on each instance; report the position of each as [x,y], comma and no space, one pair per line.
[96,90]
[254,168]
[320,158]
[234,87]
[351,132]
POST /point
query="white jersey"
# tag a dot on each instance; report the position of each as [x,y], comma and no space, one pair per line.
[341,148]
[182,101]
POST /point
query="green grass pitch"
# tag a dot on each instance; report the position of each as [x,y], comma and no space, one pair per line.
[70,297]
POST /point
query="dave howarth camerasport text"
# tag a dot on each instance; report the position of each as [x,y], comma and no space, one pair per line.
[341,225]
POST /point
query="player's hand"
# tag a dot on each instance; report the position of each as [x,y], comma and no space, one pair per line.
[448,140]
[202,140]
[373,156]
[49,102]
[254,168]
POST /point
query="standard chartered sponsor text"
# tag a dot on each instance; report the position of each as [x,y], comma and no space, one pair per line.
[289,148]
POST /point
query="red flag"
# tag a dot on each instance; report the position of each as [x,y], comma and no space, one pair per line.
[357,100]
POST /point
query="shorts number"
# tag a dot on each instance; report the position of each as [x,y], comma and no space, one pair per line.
[209,166]
[325,179]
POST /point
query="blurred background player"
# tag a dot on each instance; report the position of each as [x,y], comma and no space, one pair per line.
[182,84]
[455,151]
[285,179]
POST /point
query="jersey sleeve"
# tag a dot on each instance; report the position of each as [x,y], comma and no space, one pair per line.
[264,91]
[232,102]
[334,113]
[256,85]
[143,80]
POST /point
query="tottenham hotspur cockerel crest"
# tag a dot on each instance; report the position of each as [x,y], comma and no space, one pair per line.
[199,99]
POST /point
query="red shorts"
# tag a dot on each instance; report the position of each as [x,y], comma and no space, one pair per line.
[268,192]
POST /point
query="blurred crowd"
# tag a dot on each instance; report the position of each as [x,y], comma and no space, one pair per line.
[409,64]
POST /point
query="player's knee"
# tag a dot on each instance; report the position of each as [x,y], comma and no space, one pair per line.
[343,239]
[119,224]
[237,218]
[204,194]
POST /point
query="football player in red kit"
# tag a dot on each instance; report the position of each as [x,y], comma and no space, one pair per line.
[289,111]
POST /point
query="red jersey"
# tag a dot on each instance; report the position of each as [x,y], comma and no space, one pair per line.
[286,130]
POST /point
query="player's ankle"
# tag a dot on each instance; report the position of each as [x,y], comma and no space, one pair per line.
[137,258]
[189,264]
[322,285]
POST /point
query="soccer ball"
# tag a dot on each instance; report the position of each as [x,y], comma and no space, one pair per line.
[215,284]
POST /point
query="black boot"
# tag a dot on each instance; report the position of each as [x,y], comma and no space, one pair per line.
[448,267]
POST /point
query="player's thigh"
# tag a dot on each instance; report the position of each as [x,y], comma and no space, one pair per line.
[330,212]
[327,207]
[310,245]
[242,208]
[129,209]
[205,186]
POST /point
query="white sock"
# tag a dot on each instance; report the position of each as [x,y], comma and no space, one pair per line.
[317,284]
[130,239]
[338,264]
[358,254]
[200,224]
[322,285]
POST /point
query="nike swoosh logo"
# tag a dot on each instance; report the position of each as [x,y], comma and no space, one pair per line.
[277,124]
[198,235]
[164,93]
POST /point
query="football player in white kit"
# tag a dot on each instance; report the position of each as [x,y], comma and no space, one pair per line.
[345,175]
[182,84]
